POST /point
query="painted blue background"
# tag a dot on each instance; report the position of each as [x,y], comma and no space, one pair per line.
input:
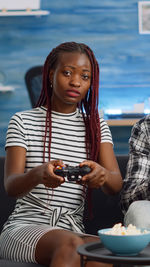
[109,27]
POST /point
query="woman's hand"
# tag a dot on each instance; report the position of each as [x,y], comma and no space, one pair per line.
[97,177]
[105,173]
[47,175]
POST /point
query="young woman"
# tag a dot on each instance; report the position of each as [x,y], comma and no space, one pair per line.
[46,225]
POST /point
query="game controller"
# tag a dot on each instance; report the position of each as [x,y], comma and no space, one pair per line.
[72,173]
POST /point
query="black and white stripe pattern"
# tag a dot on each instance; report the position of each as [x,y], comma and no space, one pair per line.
[19,242]
[62,208]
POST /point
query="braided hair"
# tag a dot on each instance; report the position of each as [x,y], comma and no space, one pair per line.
[88,106]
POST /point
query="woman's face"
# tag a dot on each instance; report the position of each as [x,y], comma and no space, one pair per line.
[71,80]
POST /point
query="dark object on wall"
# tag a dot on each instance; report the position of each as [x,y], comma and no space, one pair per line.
[33,80]
[106,210]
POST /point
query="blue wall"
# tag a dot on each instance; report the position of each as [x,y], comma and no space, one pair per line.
[110,28]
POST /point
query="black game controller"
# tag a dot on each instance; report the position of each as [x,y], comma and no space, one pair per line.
[73,173]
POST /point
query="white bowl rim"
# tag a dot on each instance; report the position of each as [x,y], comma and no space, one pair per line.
[102,232]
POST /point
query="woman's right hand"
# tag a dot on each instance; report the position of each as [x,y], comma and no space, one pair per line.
[47,175]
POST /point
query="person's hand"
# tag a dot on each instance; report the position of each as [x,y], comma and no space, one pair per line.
[97,177]
[47,175]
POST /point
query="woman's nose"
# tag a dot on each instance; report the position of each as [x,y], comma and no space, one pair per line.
[75,80]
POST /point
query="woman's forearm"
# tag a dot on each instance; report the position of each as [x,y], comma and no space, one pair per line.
[113,183]
[18,185]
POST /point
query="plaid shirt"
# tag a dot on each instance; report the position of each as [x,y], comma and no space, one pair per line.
[137,181]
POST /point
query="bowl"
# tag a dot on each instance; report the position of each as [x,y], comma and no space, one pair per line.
[124,245]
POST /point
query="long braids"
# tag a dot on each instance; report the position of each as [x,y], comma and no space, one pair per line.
[88,106]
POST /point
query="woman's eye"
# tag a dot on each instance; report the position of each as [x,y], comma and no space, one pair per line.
[67,73]
[85,76]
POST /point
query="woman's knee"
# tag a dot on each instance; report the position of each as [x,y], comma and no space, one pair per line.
[138,214]
[71,242]
[68,249]
[56,243]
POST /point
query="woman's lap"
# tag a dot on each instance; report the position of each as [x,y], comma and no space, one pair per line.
[19,243]
[64,243]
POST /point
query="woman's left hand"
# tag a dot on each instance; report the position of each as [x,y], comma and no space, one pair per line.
[97,177]
[105,173]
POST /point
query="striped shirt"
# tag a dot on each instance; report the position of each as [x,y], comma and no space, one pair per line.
[63,207]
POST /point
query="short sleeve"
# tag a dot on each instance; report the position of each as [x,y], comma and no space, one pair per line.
[16,134]
[106,136]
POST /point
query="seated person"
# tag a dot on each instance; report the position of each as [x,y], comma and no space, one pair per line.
[46,226]
[135,194]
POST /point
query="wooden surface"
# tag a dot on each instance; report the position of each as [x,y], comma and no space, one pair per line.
[122,122]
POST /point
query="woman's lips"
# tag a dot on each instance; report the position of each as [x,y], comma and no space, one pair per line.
[72,93]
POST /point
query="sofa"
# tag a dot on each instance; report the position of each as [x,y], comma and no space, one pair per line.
[106,210]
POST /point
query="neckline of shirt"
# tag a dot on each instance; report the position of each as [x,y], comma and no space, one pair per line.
[58,114]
